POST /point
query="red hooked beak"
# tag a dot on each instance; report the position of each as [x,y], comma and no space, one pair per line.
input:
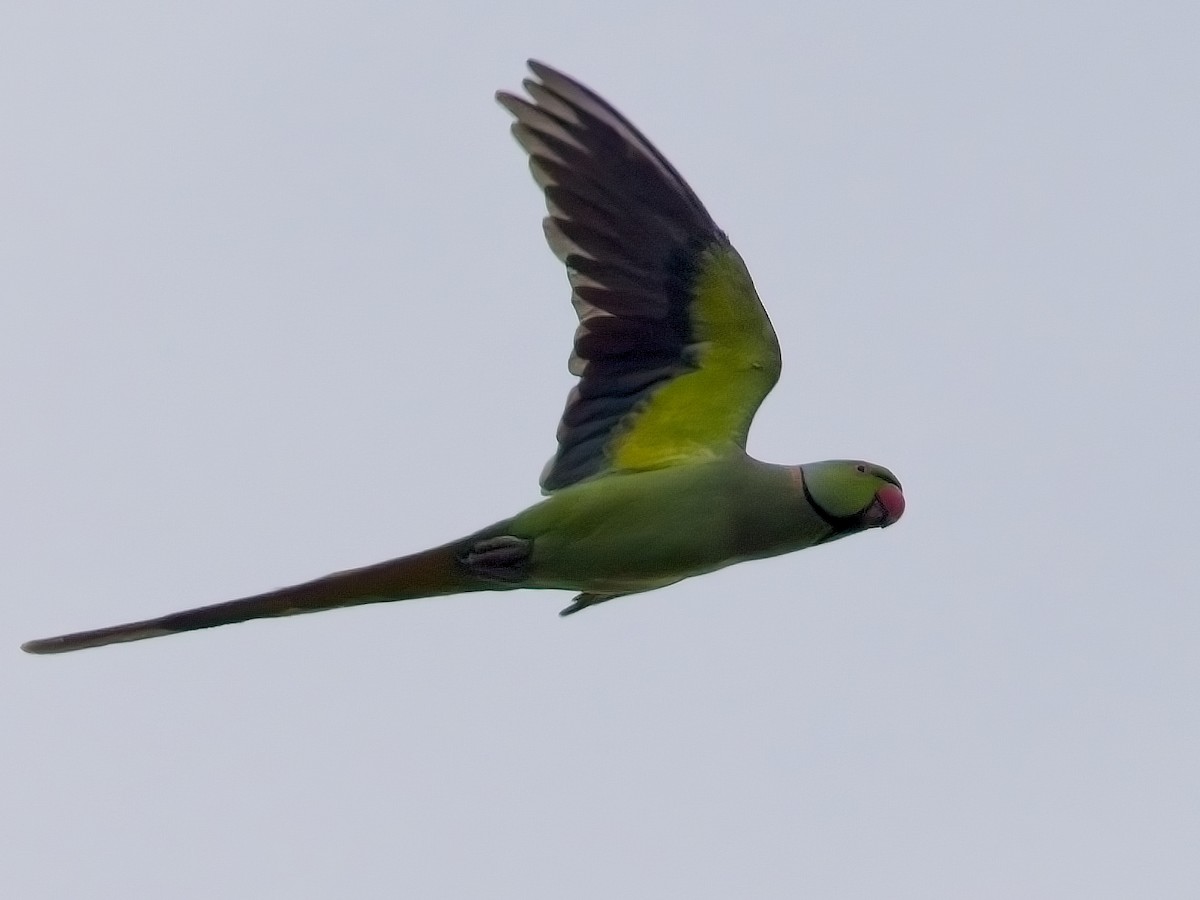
[887,508]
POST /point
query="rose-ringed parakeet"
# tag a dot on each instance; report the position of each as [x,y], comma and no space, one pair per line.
[651,483]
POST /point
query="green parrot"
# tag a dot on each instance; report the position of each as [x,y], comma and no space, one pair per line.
[651,483]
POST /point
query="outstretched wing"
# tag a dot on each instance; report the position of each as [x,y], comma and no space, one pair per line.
[674,351]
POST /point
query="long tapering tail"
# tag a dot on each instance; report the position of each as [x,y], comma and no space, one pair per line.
[432,573]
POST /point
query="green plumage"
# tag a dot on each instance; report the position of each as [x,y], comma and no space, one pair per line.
[651,483]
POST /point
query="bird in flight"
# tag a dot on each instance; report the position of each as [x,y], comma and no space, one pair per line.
[651,482]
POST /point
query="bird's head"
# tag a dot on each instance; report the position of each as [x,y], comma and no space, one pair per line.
[852,495]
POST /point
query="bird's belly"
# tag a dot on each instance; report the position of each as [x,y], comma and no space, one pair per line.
[606,564]
[636,533]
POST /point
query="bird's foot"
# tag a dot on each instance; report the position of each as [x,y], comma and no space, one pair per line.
[501,558]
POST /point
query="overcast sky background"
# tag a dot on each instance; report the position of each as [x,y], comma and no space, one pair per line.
[276,301]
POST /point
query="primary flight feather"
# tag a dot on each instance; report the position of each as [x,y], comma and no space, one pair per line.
[674,352]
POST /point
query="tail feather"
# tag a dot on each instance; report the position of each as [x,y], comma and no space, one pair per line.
[432,573]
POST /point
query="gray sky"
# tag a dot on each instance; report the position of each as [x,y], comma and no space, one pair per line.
[276,302]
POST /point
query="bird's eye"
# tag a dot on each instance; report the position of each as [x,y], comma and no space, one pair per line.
[861,468]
